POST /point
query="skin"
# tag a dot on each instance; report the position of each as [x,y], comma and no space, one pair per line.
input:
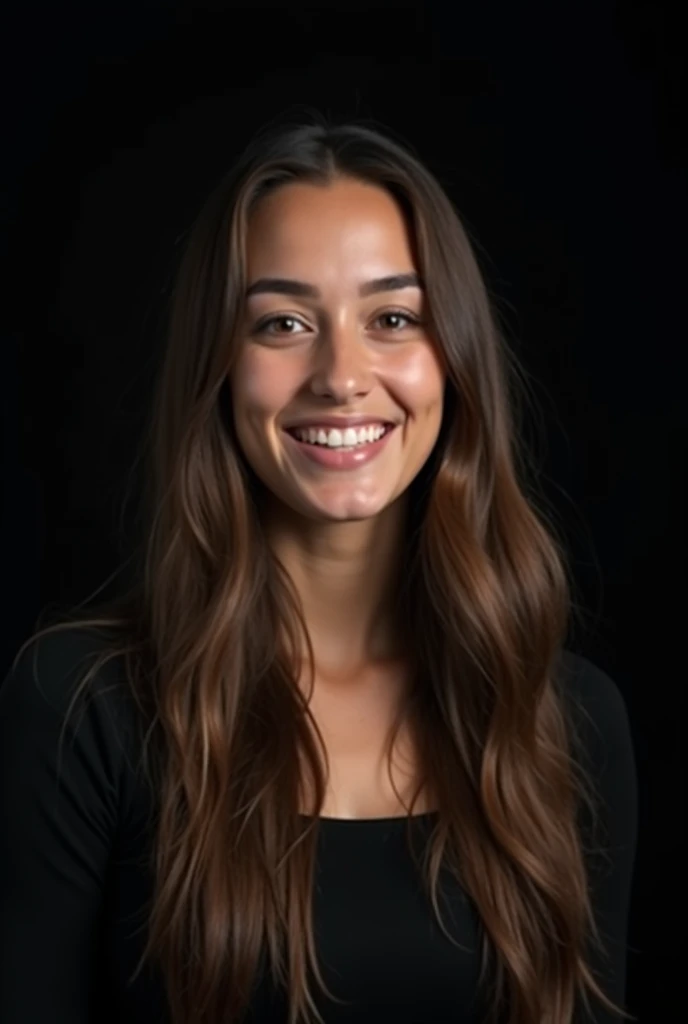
[338,533]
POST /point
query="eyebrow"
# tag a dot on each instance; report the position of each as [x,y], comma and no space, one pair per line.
[284,286]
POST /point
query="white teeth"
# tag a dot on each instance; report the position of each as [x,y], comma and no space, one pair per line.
[348,438]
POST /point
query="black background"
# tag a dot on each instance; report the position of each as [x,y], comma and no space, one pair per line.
[558,131]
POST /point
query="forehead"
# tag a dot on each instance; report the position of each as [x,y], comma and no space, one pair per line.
[321,226]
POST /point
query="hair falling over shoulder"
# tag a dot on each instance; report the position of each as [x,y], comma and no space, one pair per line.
[210,629]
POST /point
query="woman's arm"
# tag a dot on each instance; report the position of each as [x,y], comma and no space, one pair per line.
[56,836]
[608,756]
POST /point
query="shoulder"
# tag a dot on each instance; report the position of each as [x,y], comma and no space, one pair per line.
[47,670]
[42,690]
[57,657]
[597,707]
[603,746]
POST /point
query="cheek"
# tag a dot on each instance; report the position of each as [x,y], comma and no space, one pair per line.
[419,382]
[260,385]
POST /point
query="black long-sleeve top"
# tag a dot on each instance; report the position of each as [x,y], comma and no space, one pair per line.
[74,881]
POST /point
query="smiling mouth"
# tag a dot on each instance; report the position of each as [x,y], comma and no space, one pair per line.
[295,431]
[343,457]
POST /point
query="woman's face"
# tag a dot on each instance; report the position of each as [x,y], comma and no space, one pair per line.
[334,349]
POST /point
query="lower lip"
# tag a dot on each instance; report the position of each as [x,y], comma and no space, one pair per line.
[333,458]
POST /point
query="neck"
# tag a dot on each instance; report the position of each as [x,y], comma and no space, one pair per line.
[347,576]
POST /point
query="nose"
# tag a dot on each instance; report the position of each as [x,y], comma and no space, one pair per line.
[342,363]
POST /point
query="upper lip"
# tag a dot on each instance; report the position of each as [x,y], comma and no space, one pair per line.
[340,422]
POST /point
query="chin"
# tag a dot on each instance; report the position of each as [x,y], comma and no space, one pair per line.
[346,513]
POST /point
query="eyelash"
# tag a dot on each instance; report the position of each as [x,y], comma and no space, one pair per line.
[412,320]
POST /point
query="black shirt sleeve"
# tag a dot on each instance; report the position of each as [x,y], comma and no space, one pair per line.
[605,750]
[54,845]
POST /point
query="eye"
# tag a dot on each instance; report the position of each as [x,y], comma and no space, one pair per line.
[398,314]
[284,318]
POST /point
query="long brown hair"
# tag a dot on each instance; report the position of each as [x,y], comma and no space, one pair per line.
[210,633]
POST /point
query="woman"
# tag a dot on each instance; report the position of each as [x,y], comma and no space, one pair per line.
[337,762]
